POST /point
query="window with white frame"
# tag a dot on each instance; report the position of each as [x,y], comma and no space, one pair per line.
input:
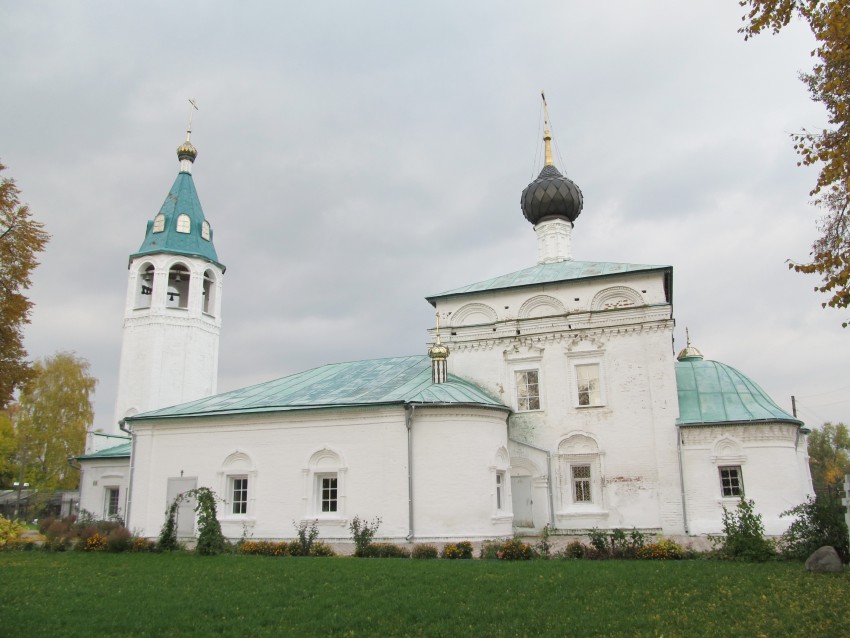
[527,390]
[110,504]
[500,490]
[588,384]
[205,230]
[581,484]
[731,481]
[239,495]
[327,485]
[159,223]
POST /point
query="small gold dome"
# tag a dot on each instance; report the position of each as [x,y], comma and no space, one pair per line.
[438,351]
[689,352]
[187,151]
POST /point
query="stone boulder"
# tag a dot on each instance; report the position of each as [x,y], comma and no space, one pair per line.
[824,560]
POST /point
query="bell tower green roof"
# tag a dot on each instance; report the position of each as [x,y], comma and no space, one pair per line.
[180,227]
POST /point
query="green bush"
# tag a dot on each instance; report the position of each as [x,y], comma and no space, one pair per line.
[573,550]
[424,552]
[307,533]
[455,551]
[490,550]
[10,531]
[743,534]
[817,522]
[662,549]
[119,540]
[515,549]
[320,548]
[385,550]
[362,532]
[210,539]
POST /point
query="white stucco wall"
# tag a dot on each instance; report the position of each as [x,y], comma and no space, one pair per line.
[96,476]
[281,454]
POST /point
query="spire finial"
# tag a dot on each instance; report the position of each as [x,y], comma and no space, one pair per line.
[547,136]
[437,314]
[193,106]
[689,352]
[687,336]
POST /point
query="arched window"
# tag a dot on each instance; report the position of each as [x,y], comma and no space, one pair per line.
[159,223]
[501,495]
[184,224]
[209,293]
[144,286]
[580,470]
[178,287]
[205,230]
[239,485]
[325,484]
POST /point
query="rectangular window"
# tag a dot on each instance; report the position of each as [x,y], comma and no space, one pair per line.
[500,489]
[587,377]
[240,495]
[111,504]
[328,493]
[731,481]
[527,390]
[581,484]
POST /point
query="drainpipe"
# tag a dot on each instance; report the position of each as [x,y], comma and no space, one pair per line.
[122,424]
[549,474]
[682,480]
[409,409]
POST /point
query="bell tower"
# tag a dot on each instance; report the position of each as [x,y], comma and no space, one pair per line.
[172,314]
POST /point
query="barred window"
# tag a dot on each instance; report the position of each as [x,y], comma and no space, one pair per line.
[527,390]
[581,484]
[731,481]
[240,495]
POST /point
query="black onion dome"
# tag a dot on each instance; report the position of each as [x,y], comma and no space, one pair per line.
[551,195]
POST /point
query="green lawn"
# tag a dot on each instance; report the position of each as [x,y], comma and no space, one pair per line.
[76,594]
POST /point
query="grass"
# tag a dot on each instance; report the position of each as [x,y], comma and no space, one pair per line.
[76,594]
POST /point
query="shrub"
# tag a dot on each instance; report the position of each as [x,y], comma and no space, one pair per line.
[307,532]
[490,550]
[818,522]
[744,534]
[454,551]
[10,531]
[424,552]
[599,542]
[320,548]
[515,549]
[385,550]
[140,544]
[119,540]
[44,523]
[362,532]
[210,539]
[544,547]
[662,549]
[94,543]
[168,533]
[574,550]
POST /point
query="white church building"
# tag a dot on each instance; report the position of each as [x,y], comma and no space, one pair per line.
[550,396]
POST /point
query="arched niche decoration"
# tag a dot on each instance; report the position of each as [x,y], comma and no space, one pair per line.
[577,444]
[238,462]
[728,450]
[541,306]
[324,485]
[473,314]
[521,466]
[616,297]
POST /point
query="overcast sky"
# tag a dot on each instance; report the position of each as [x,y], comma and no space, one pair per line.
[355,157]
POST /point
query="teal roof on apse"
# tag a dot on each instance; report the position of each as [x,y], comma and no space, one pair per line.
[712,392]
[549,273]
[118,451]
[372,382]
[181,199]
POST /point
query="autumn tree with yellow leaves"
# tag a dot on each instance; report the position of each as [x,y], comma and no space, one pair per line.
[21,239]
[829,455]
[829,84]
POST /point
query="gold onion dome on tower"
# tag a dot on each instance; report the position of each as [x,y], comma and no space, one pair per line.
[187,151]
[689,352]
[439,350]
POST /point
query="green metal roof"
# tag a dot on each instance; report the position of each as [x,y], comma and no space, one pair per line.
[394,381]
[182,199]
[712,392]
[119,451]
[550,273]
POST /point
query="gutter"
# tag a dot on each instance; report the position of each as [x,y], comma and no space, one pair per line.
[682,479]
[549,476]
[409,409]
[122,424]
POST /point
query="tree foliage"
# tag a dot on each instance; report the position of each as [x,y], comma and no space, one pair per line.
[829,84]
[829,455]
[21,239]
[817,522]
[55,412]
